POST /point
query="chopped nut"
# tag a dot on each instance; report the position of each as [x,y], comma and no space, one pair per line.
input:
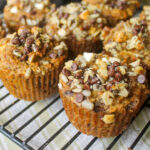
[86,93]
[107,98]
[71,77]
[84,15]
[68,64]
[122,70]
[138,69]
[88,56]
[14,10]
[28,73]
[62,33]
[87,74]
[39,6]
[31,58]
[64,78]
[75,83]
[97,87]
[120,37]
[103,69]
[77,90]
[135,63]
[60,86]
[17,53]
[124,92]
[113,59]
[82,60]
[88,105]
[108,119]
[44,62]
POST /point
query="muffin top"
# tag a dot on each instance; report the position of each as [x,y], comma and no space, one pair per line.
[31,50]
[30,4]
[78,20]
[102,83]
[28,12]
[130,37]
[118,4]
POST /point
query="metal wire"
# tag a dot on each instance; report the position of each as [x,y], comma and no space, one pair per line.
[24,144]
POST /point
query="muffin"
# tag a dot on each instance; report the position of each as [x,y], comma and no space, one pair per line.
[100,94]
[27,13]
[131,38]
[30,63]
[79,25]
[116,10]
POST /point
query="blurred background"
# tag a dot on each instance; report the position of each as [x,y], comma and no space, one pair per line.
[58,2]
[63,2]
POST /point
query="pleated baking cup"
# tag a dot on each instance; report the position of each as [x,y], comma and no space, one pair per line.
[90,122]
[36,87]
[77,47]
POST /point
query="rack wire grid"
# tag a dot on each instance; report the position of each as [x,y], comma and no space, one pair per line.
[25,124]
[75,140]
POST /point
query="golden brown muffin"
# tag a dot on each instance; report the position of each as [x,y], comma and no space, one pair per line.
[100,94]
[80,25]
[30,62]
[131,38]
[116,10]
[27,13]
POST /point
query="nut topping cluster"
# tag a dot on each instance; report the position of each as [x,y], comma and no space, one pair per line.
[121,4]
[97,78]
[131,36]
[33,46]
[30,13]
[35,42]
[78,20]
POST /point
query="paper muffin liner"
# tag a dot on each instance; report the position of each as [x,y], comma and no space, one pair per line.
[77,47]
[90,123]
[36,87]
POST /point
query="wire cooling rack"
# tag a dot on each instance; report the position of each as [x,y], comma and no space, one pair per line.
[76,140]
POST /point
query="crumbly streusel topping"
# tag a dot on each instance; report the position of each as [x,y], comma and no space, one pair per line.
[31,5]
[95,80]
[120,4]
[36,49]
[78,19]
[131,35]
[27,9]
